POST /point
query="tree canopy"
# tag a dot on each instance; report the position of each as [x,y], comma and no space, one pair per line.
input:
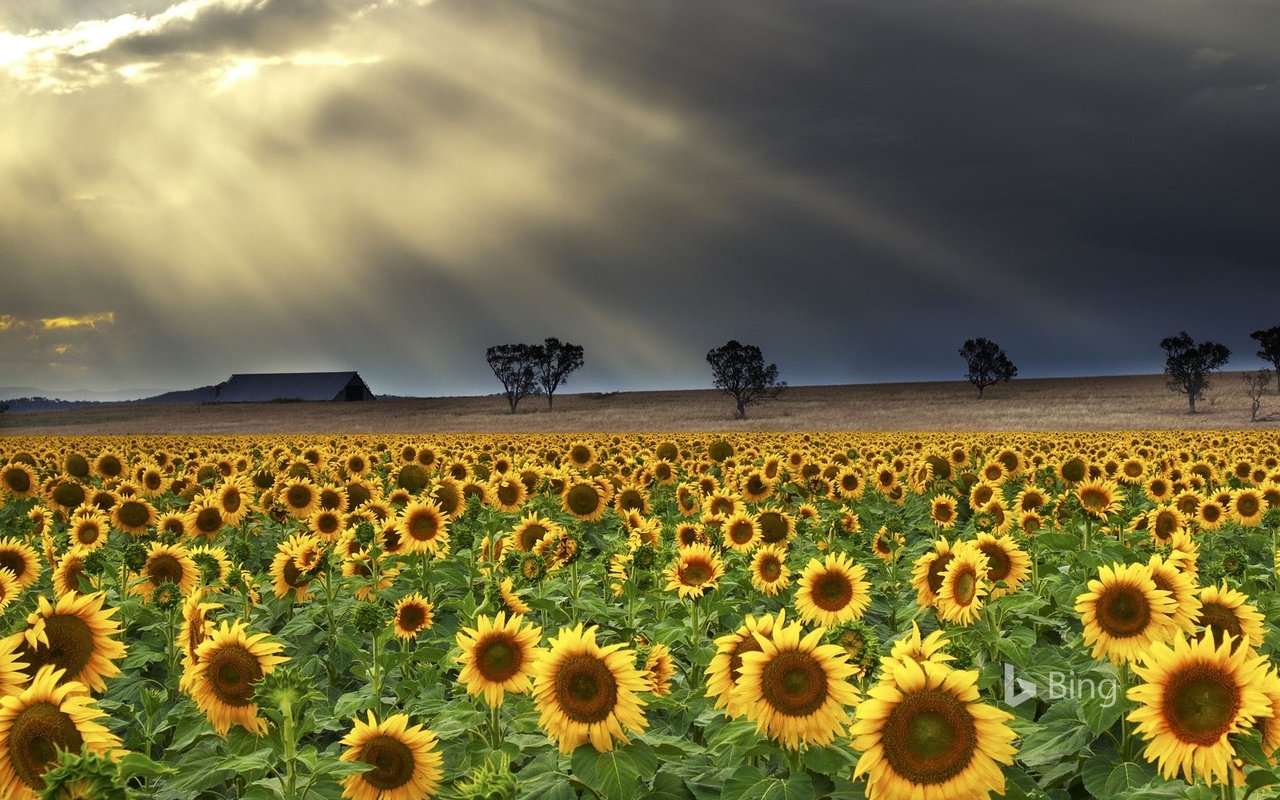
[739,371]
[553,362]
[1189,365]
[513,365]
[987,362]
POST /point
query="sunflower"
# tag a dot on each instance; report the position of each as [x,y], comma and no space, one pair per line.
[300,497]
[325,523]
[942,510]
[1007,563]
[1098,498]
[222,678]
[174,524]
[406,760]
[1210,515]
[414,613]
[13,677]
[498,656]
[587,693]
[76,635]
[232,500]
[914,647]
[584,500]
[796,689]
[9,589]
[1163,522]
[769,572]
[51,714]
[725,668]
[1247,506]
[133,515]
[741,533]
[1030,499]
[530,530]
[166,563]
[424,527]
[508,494]
[20,559]
[19,480]
[1183,590]
[775,525]
[694,570]
[925,734]
[194,630]
[510,599]
[926,576]
[832,591]
[1193,696]
[88,529]
[292,568]
[1124,613]
[659,668]
[204,519]
[964,584]
[1227,612]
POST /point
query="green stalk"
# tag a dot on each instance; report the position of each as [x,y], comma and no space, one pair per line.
[290,747]
[495,726]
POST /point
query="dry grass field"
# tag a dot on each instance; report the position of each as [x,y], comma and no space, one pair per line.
[1105,403]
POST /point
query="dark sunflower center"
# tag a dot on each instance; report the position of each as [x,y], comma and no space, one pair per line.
[412,616]
[88,532]
[1166,524]
[721,505]
[1210,512]
[164,567]
[695,572]
[68,494]
[741,533]
[499,657]
[794,684]
[1200,703]
[943,512]
[423,526]
[530,535]
[770,568]
[929,737]
[38,732]
[209,521]
[294,576]
[936,569]
[1074,470]
[1094,499]
[508,494]
[832,591]
[70,646]
[231,501]
[1246,505]
[232,671]
[773,528]
[110,466]
[133,514]
[582,499]
[1221,622]
[630,500]
[1123,611]
[998,562]
[392,761]
[17,480]
[586,690]
[964,587]
[298,496]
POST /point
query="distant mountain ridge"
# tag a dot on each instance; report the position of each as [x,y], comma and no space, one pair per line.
[28,399]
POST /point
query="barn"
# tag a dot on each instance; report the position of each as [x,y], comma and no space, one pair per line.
[269,387]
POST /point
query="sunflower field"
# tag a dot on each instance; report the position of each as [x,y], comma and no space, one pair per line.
[764,615]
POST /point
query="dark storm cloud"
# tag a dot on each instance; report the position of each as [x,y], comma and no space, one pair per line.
[855,186]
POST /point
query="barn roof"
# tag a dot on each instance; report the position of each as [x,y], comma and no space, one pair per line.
[263,387]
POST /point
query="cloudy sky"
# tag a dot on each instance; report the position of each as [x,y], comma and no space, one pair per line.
[190,189]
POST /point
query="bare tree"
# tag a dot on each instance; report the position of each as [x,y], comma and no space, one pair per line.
[553,361]
[1269,346]
[987,362]
[1189,365]
[1255,385]
[739,371]
[513,366]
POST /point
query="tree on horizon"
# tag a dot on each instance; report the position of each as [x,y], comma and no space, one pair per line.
[513,365]
[1269,346]
[553,362]
[1189,365]
[739,371]
[987,362]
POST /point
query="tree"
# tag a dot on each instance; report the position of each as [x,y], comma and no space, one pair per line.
[1189,365]
[3,407]
[1255,385]
[987,362]
[553,361]
[1269,344]
[513,366]
[739,371]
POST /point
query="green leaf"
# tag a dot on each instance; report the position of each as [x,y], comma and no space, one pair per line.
[830,760]
[1258,779]
[748,784]
[1095,773]
[620,774]
[1127,777]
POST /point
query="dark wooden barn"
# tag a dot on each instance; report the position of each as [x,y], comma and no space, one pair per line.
[267,387]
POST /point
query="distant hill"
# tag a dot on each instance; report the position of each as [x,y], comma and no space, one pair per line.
[204,394]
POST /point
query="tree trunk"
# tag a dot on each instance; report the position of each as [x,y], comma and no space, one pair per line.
[742,410]
[548,401]
[511,399]
[1191,400]
[981,387]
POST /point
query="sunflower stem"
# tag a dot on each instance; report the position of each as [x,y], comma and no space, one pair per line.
[290,747]
[794,763]
[1126,732]
[495,727]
